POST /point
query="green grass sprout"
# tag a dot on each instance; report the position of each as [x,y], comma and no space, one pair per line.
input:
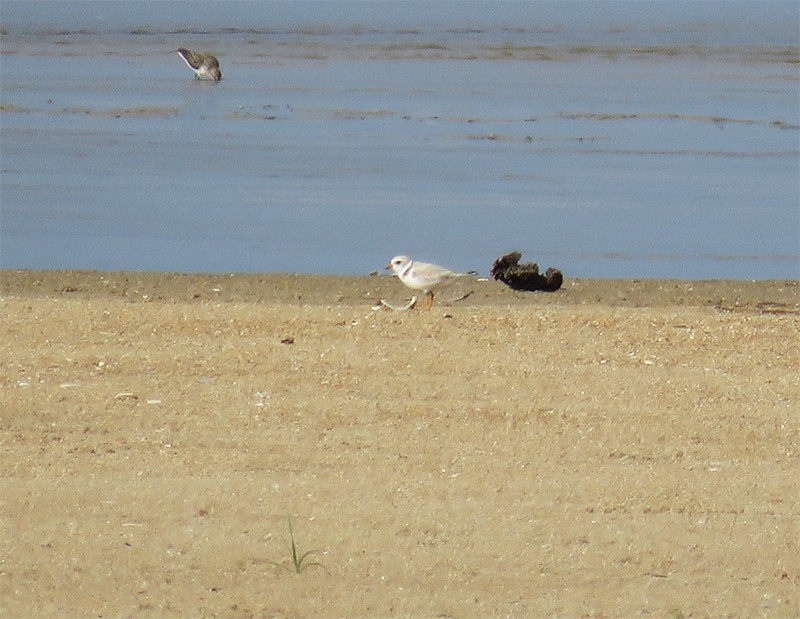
[300,561]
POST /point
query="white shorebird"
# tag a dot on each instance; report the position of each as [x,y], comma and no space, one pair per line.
[422,276]
[205,66]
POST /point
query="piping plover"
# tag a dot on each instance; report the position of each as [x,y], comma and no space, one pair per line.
[205,66]
[421,276]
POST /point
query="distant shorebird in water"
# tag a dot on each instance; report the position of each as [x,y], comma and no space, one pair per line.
[205,66]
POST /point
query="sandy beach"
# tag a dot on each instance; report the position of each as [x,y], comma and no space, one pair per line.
[618,448]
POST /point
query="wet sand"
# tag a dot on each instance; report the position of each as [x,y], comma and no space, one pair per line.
[618,448]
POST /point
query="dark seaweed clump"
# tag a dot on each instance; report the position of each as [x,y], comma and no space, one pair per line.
[525,276]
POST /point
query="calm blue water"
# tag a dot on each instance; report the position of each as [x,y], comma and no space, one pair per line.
[606,139]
